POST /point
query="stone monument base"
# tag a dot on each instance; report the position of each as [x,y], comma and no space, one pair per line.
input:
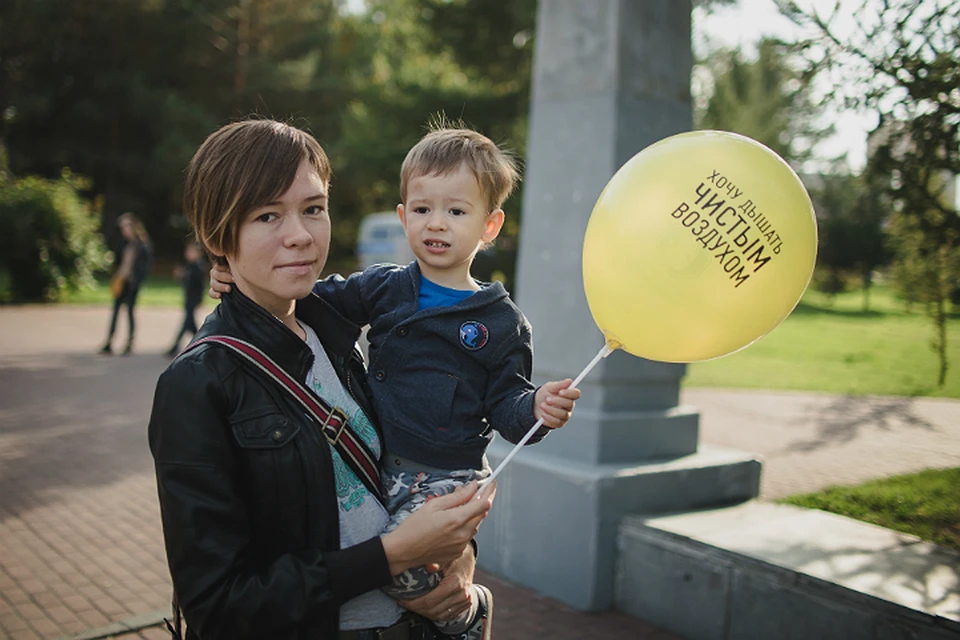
[554,523]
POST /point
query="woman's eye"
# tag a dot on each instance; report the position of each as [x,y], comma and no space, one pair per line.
[266,217]
[315,210]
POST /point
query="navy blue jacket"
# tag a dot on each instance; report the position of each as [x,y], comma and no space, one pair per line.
[441,378]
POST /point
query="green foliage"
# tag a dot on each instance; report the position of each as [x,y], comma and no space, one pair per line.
[902,61]
[466,60]
[850,216]
[767,99]
[927,269]
[80,88]
[924,504]
[48,238]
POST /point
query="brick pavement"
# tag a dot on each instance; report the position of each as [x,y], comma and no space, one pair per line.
[80,543]
[809,441]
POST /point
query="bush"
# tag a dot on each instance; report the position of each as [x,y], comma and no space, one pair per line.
[49,241]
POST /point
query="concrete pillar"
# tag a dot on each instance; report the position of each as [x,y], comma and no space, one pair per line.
[611,77]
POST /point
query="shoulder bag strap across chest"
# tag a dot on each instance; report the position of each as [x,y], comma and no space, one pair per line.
[332,421]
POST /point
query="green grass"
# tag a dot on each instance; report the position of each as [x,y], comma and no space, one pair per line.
[836,347]
[155,292]
[925,504]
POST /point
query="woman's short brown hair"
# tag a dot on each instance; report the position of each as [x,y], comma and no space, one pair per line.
[238,168]
[443,149]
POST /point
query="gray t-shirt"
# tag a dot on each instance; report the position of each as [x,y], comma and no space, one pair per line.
[362,516]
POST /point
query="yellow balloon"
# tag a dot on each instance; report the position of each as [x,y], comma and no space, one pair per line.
[698,246]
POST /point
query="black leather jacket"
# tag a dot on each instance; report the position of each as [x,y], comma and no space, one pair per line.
[245,479]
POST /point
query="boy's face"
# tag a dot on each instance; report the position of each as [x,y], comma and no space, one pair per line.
[446,221]
[191,253]
[282,246]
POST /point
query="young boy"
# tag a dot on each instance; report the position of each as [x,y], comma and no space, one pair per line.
[450,358]
[192,276]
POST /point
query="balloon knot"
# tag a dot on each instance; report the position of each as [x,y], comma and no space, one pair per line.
[613,344]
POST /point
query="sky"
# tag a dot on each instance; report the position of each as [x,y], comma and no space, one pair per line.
[750,20]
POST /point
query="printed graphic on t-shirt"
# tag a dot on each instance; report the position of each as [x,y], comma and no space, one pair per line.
[350,490]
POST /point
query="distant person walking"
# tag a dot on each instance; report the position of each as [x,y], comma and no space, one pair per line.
[136,257]
[193,276]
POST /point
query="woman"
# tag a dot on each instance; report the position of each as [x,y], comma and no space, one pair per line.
[135,259]
[270,530]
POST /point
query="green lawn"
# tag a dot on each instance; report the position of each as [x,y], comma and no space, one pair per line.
[841,349]
[925,504]
[156,292]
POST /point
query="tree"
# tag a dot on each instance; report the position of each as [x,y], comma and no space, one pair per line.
[851,214]
[48,238]
[466,60]
[768,99]
[901,60]
[124,92]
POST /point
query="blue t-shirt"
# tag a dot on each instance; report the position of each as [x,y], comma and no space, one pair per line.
[434,295]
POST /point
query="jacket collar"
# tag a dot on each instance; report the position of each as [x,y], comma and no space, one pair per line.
[245,319]
[489,292]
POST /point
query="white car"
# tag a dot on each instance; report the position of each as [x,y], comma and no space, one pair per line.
[381,239]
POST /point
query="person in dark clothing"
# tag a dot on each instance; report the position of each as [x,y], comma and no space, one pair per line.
[451,357]
[193,276]
[271,532]
[136,258]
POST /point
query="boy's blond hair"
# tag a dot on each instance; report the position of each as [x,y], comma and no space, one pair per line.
[444,149]
[238,168]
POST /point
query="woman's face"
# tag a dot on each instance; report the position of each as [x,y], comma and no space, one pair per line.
[282,246]
[126,230]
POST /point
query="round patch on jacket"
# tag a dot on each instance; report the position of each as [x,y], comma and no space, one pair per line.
[473,335]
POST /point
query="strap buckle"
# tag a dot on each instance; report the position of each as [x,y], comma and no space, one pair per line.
[336,415]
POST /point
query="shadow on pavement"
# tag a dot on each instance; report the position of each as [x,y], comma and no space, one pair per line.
[848,417]
[70,422]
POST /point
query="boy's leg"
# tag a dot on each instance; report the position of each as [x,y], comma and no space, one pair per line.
[480,624]
[406,491]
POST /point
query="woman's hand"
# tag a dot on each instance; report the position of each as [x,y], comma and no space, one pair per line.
[452,596]
[220,280]
[438,532]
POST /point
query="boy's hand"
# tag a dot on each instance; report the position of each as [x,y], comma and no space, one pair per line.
[554,402]
[220,279]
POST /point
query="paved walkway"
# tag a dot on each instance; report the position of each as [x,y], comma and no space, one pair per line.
[80,544]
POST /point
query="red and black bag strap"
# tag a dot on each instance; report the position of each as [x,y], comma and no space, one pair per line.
[333,421]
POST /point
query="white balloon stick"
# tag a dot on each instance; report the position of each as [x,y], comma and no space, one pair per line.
[604,352]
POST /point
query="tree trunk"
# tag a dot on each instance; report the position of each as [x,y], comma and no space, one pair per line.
[867,284]
[941,340]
